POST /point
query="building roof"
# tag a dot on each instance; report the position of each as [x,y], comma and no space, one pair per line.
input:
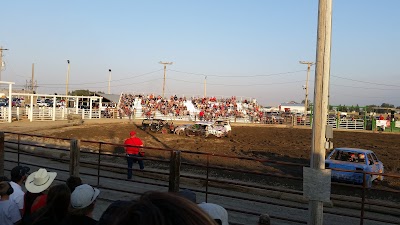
[109,97]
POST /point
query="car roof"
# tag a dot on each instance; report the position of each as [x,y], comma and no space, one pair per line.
[354,150]
[204,123]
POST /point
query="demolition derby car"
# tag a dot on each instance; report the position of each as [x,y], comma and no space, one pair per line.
[156,125]
[204,129]
[358,160]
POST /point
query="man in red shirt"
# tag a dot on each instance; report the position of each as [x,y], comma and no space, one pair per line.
[133,152]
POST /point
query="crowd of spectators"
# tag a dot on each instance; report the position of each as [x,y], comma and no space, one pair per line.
[73,203]
[208,108]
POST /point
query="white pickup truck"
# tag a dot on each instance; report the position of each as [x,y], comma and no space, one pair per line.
[42,104]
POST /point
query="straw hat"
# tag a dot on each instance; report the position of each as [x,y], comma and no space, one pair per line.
[39,181]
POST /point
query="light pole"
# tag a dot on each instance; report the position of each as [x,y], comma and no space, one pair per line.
[109,81]
[309,64]
[1,59]
[165,74]
[66,86]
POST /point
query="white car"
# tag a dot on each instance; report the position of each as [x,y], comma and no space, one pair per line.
[224,123]
[42,104]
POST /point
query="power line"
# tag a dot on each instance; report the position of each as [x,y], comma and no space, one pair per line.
[100,82]
[104,86]
[237,85]
[366,82]
[382,89]
[260,75]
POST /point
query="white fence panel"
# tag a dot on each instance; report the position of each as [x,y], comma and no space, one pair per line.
[351,124]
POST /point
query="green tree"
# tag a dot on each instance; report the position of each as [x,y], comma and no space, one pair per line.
[387,105]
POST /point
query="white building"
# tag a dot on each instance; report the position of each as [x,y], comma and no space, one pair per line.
[293,107]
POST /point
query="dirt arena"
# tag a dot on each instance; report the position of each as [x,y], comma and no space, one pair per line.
[258,141]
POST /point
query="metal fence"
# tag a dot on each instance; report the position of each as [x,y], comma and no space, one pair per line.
[252,188]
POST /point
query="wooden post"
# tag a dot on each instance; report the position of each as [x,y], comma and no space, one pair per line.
[264,220]
[174,171]
[320,104]
[75,147]
[1,153]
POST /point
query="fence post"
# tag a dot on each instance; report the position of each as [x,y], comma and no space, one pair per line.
[264,219]
[174,171]
[1,153]
[363,199]
[75,146]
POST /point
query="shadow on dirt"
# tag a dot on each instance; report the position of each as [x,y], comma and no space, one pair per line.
[152,135]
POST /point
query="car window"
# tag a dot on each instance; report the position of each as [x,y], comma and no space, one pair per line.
[374,157]
[370,159]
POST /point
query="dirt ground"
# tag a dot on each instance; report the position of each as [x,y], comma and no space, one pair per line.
[257,141]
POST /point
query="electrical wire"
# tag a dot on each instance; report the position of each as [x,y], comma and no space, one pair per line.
[366,82]
[107,86]
[100,82]
[213,75]
[236,85]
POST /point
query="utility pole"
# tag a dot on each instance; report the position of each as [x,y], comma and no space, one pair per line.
[1,60]
[165,73]
[321,89]
[205,86]
[109,81]
[66,86]
[309,64]
[33,76]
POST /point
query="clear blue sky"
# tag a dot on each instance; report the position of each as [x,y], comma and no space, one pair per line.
[230,41]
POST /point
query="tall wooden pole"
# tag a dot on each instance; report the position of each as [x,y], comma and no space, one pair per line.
[66,86]
[309,64]
[321,89]
[33,76]
[165,75]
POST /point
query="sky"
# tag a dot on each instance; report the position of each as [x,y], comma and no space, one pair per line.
[248,49]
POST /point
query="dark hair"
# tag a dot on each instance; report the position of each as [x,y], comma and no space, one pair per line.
[73,182]
[159,208]
[4,178]
[113,211]
[56,208]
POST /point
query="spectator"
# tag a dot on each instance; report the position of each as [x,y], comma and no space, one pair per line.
[37,183]
[73,182]
[56,207]
[217,212]
[18,177]
[83,201]
[4,178]
[113,211]
[133,151]
[188,194]
[158,208]
[9,211]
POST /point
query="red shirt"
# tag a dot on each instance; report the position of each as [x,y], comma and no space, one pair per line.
[133,141]
[39,203]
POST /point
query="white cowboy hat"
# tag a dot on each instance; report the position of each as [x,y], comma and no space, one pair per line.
[39,181]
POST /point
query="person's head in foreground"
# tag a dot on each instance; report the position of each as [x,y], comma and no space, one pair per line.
[163,208]
[217,212]
[83,199]
[39,181]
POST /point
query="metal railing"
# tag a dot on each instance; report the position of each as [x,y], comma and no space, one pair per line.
[203,173]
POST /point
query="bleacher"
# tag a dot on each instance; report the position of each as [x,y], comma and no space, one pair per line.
[181,108]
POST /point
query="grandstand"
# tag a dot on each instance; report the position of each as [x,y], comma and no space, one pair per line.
[173,107]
